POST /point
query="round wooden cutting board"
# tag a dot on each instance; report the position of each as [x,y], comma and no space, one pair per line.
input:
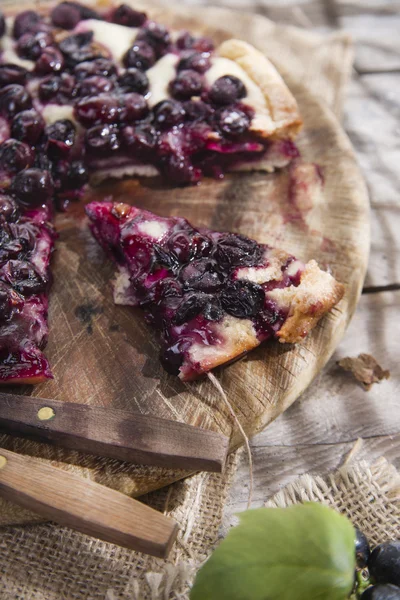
[105,355]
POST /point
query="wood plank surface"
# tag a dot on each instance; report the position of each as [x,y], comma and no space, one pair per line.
[105,355]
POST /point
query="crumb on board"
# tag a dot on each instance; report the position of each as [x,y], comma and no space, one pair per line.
[365,369]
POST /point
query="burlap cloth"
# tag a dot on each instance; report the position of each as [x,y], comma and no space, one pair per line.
[46,562]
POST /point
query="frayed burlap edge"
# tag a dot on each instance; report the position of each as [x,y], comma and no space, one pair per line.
[369,495]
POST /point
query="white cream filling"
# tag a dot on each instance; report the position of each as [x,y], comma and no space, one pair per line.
[9,55]
[160,76]
[54,112]
[154,229]
[116,38]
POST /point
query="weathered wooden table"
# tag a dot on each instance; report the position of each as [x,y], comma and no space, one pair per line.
[321,428]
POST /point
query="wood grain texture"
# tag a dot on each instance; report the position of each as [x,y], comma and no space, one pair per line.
[118,434]
[105,355]
[84,505]
[317,433]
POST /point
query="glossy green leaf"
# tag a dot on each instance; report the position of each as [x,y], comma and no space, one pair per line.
[303,552]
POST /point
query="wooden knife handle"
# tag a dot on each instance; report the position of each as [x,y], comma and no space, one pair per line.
[114,433]
[84,505]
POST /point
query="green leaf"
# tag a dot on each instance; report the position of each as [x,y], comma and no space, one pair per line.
[304,552]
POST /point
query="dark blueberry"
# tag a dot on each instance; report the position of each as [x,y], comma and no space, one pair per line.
[203,44]
[196,110]
[61,138]
[202,245]
[72,175]
[97,109]
[92,86]
[196,61]
[76,48]
[178,169]
[133,107]
[125,15]
[180,244]
[362,549]
[42,161]
[384,563]
[168,287]
[227,90]
[190,307]
[65,16]
[2,24]
[171,359]
[202,275]
[381,592]
[168,113]
[140,139]
[23,276]
[166,259]
[242,299]
[58,88]
[235,250]
[31,45]
[156,35]
[213,311]
[9,300]
[140,56]
[10,73]
[13,99]
[15,156]
[8,208]
[186,85]
[32,187]
[185,41]
[50,61]
[134,80]
[102,139]
[232,121]
[99,66]
[26,22]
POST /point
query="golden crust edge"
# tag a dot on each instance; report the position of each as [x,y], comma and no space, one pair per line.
[282,105]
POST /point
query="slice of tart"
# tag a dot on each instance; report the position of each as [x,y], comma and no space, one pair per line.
[26,243]
[211,296]
[122,95]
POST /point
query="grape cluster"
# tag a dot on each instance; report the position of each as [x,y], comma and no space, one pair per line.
[382,566]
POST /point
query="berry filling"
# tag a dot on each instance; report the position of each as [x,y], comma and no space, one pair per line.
[197,287]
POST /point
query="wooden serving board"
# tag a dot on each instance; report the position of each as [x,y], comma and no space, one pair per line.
[105,355]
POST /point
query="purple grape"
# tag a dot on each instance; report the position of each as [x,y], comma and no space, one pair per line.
[27,126]
[134,80]
[232,121]
[15,156]
[185,41]
[125,15]
[92,86]
[141,140]
[97,109]
[191,306]
[242,299]
[77,48]
[155,35]
[26,22]
[196,61]
[102,139]
[32,187]
[10,73]
[168,113]
[31,45]
[50,61]
[23,277]
[133,107]
[235,250]
[58,88]
[362,549]
[381,592]
[70,176]
[384,563]
[202,275]
[100,66]
[8,208]
[140,56]
[186,85]
[197,110]
[13,99]
[65,16]
[227,90]
[61,138]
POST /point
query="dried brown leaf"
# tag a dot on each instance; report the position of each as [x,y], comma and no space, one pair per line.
[365,369]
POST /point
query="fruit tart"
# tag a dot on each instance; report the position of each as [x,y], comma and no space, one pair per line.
[211,296]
